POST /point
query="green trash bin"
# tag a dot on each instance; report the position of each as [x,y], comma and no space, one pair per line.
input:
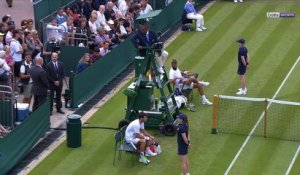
[74,131]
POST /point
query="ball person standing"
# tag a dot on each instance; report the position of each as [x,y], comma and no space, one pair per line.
[243,64]
[183,141]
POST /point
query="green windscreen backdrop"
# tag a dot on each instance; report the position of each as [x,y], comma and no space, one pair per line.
[95,77]
[18,143]
[70,56]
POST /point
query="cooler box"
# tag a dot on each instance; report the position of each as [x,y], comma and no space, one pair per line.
[22,110]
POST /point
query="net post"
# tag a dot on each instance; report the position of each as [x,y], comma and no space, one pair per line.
[215,114]
[265,118]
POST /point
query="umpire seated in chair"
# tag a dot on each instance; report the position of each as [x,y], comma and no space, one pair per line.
[146,38]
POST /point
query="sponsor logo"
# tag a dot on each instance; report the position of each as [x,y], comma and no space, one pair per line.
[281,15]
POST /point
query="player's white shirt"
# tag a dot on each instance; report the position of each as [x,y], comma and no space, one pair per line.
[173,74]
[133,129]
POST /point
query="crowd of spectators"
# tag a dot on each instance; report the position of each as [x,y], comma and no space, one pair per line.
[99,25]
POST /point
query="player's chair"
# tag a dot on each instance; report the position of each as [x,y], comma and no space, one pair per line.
[185,21]
[122,146]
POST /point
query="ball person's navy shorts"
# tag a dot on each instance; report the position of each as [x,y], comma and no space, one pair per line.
[241,70]
[182,150]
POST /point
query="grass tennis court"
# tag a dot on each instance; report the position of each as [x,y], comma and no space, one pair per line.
[273,46]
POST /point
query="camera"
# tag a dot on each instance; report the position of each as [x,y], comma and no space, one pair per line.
[54,46]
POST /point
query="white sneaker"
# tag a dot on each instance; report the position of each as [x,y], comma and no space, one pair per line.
[203,28]
[160,70]
[199,29]
[144,160]
[241,92]
[203,83]
[206,102]
[235,1]
[149,153]
[242,89]
[241,0]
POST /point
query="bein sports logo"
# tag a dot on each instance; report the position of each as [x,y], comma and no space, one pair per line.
[281,15]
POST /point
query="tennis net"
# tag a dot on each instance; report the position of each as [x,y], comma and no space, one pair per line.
[257,116]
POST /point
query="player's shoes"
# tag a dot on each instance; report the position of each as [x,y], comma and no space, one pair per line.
[241,92]
[203,83]
[235,1]
[199,29]
[160,70]
[203,28]
[206,102]
[144,160]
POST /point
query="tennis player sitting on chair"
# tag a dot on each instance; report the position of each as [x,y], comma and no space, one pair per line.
[136,135]
[187,82]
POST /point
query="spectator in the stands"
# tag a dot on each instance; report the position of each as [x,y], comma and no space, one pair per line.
[104,49]
[16,51]
[60,17]
[124,6]
[145,7]
[113,33]
[83,32]
[24,24]
[29,25]
[6,18]
[87,8]
[128,23]
[109,12]
[52,30]
[101,20]
[96,55]
[9,35]
[30,43]
[84,62]
[115,7]
[78,6]
[192,14]
[97,3]
[120,29]
[92,23]
[26,79]
[101,37]
[38,44]
[4,70]
[66,31]
[1,41]
[10,62]
[136,10]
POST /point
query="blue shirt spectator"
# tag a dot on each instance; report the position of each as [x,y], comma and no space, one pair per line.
[189,7]
[84,63]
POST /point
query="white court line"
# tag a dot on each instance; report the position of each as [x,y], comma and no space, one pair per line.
[293,161]
[260,118]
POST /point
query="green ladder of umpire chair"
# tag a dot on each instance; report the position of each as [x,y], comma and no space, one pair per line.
[142,96]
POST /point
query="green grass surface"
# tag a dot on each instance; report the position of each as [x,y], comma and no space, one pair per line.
[273,45]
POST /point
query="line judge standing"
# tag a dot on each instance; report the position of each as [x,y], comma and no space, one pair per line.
[55,73]
[40,83]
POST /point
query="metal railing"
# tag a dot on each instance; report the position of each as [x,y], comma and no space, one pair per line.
[7,106]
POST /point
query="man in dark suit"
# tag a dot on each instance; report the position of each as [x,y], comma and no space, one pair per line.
[55,74]
[144,39]
[40,83]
